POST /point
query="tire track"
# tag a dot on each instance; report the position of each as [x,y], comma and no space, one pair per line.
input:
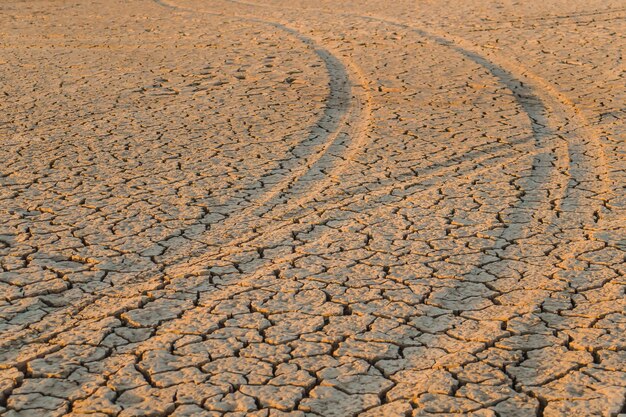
[337,135]
[333,141]
[582,183]
[551,112]
[348,98]
[338,152]
[530,103]
[580,174]
[537,113]
[520,91]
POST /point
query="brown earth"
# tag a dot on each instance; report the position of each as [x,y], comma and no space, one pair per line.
[312,208]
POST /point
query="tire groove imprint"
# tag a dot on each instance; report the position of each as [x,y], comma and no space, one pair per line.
[345,121]
[543,127]
[341,101]
[521,92]
[342,120]
[583,151]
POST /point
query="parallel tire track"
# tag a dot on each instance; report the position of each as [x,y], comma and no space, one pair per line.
[334,139]
[348,98]
[324,155]
[528,100]
[584,163]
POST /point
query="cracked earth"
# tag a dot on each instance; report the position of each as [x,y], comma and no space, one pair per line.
[298,208]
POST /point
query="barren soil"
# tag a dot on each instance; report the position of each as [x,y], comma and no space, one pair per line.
[312,208]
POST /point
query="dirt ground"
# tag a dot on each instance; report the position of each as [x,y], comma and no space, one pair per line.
[312,208]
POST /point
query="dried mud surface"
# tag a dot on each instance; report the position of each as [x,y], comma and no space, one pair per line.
[298,208]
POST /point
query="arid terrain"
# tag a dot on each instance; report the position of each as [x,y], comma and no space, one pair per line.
[300,208]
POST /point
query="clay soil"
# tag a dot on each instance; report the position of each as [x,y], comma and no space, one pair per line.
[312,208]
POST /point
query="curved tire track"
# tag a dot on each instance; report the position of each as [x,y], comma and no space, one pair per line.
[350,122]
[529,101]
[323,156]
[552,114]
[329,146]
[582,181]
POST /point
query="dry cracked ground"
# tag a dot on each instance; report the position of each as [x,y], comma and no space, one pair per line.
[312,208]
